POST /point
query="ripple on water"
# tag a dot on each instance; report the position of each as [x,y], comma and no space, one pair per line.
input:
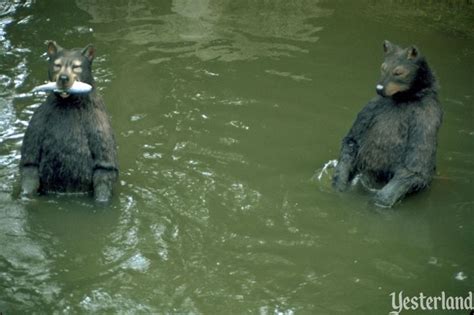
[195,224]
[393,270]
[213,30]
[137,262]
[460,276]
[296,77]
[24,259]
[99,300]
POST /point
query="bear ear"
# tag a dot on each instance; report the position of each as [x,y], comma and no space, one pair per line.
[413,52]
[387,47]
[53,48]
[89,52]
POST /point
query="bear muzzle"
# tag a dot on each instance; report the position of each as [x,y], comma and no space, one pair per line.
[379,88]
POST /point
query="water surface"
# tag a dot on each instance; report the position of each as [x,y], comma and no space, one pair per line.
[224,112]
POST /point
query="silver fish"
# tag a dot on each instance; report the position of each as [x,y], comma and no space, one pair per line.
[76,88]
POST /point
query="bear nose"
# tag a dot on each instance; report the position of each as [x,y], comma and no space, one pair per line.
[64,78]
[379,89]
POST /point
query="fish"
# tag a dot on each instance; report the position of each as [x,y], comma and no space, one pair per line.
[76,88]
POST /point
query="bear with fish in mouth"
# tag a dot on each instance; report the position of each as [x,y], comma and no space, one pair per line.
[392,143]
[69,144]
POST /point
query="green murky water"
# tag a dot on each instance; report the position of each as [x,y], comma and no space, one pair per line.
[224,111]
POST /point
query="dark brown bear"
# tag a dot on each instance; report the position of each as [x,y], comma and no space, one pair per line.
[69,145]
[393,140]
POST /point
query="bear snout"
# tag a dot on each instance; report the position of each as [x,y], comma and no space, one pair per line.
[379,89]
[64,81]
[64,78]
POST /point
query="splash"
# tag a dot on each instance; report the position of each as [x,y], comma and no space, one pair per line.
[329,164]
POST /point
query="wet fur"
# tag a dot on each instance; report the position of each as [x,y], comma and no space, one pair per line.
[393,140]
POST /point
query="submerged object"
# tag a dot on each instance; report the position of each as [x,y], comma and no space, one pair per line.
[76,88]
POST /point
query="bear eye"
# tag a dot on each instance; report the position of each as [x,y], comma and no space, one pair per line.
[398,72]
[76,68]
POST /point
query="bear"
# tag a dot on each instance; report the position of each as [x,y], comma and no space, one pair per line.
[69,145]
[393,141]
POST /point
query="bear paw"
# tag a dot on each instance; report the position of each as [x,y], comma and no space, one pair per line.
[339,184]
[384,200]
[102,193]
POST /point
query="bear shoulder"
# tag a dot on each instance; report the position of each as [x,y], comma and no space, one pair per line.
[430,113]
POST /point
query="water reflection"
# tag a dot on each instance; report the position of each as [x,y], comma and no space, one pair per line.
[451,17]
[210,30]
[25,263]
[14,71]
